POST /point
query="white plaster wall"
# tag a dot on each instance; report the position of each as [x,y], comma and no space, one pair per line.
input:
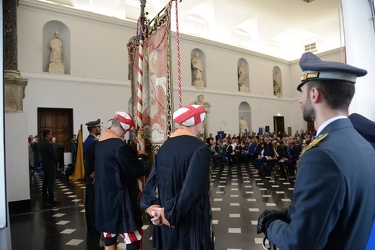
[221,66]
[360,43]
[98,49]
[89,98]
[98,85]
[17,168]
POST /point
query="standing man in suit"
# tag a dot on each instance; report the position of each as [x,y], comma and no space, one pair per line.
[334,190]
[89,154]
[49,163]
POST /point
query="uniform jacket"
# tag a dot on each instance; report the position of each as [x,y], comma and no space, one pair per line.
[89,153]
[333,194]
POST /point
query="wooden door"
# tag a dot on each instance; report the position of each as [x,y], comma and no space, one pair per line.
[310,127]
[278,124]
[60,122]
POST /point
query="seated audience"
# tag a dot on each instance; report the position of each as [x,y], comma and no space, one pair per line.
[258,162]
[277,153]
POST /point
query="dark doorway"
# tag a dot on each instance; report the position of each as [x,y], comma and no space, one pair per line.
[278,124]
[60,122]
[310,127]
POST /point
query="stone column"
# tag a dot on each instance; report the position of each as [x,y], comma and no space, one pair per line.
[14,84]
[17,175]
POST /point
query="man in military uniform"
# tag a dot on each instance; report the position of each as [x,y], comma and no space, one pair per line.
[89,154]
[334,190]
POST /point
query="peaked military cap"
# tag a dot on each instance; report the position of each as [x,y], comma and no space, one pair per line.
[93,124]
[313,68]
[364,126]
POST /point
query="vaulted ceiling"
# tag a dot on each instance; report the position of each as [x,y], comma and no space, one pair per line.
[279,28]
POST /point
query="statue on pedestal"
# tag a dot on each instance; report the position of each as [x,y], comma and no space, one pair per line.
[207,107]
[55,61]
[277,82]
[243,125]
[197,67]
[241,78]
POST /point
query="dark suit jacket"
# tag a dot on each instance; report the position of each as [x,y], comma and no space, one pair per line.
[48,154]
[279,151]
[333,194]
[229,149]
[258,148]
[251,148]
[296,151]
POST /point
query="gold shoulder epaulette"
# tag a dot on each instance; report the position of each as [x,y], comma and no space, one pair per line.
[315,142]
[312,144]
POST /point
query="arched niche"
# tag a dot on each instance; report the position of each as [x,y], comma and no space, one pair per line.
[244,111]
[277,82]
[49,30]
[243,75]
[198,69]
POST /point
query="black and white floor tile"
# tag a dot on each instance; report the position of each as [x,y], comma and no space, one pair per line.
[237,199]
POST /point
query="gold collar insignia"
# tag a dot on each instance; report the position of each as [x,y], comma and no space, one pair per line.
[315,142]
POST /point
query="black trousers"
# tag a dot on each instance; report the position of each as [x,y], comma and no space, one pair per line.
[36,162]
[90,205]
[216,159]
[291,166]
[48,187]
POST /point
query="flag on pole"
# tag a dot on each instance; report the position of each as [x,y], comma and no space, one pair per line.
[79,169]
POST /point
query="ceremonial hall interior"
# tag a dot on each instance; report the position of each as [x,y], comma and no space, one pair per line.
[249,52]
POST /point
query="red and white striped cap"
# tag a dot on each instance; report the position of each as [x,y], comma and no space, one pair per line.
[125,120]
[189,115]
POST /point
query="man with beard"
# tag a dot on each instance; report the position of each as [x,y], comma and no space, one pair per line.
[333,193]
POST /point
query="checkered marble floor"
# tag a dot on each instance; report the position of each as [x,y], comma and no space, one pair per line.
[237,199]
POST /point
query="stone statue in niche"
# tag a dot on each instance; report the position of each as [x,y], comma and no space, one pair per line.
[55,61]
[241,78]
[277,82]
[207,107]
[197,67]
[243,125]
